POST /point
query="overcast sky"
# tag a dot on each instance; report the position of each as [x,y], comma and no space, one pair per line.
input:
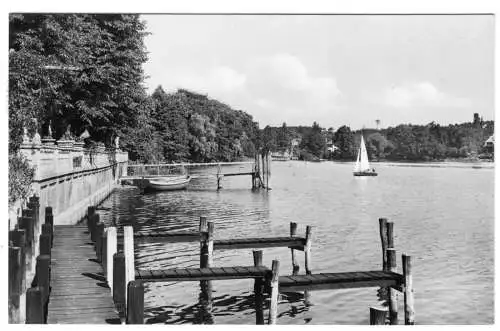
[335,70]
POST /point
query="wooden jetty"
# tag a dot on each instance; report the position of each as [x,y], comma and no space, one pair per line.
[79,291]
[259,170]
[82,275]
[270,279]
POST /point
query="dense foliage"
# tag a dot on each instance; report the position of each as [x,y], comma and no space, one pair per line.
[20,177]
[80,69]
[186,126]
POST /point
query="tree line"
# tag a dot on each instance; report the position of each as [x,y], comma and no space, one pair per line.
[408,142]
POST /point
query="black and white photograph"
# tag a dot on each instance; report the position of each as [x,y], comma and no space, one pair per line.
[250,168]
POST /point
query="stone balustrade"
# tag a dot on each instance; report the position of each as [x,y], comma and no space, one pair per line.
[69,177]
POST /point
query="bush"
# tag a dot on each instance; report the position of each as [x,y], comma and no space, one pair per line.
[20,178]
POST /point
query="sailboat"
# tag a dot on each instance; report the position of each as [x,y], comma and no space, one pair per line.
[362,166]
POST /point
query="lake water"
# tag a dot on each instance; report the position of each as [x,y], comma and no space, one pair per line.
[444,219]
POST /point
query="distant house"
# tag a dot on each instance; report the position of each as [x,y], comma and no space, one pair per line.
[280,156]
[330,146]
[489,144]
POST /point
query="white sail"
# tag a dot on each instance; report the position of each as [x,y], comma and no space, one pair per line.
[357,164]
[362,163]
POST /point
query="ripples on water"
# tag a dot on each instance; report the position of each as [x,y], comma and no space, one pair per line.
[443,218]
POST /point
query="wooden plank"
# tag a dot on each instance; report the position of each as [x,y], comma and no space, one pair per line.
[182,273]
[241,243]
[337,285]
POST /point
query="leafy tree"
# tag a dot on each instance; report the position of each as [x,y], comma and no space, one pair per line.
[78,69]
[344,140]
[314,141]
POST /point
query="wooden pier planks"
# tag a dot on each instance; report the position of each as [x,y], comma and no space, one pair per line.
[166,237]
[328,281]
[79,292]
[197,274]
[295,242]
[238,243]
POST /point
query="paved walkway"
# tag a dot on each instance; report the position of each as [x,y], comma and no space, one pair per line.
[79,292]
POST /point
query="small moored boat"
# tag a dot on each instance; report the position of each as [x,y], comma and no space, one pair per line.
[168,183]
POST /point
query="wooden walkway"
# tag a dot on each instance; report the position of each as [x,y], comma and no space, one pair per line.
[79,292]
[295,242]
[312,282]
[330,281]
[195,274]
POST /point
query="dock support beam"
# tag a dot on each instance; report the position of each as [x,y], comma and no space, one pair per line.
[383,240]
[408,291]
[273,306]
[15,284]
[34,306]
[110,252]
[128,248]
[135,303]
[307,249]
[393,295]
[258,290]
[119,288]
[206,252]
[295,264]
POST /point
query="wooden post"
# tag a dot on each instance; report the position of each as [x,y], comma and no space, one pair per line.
[307,249]
[93,220]
[210,243]
[34,306]
[25,223]
[203,224]
[104,251]
[119,289]
[135,303]
[408,288]
[35,205]
[49,220]
[206,260]
[90,211]
[295,264]
[43,275]
[98,243]
[203,229]
[18,239]
[128,248]
[273,307]
[219,177]
[47,230]
[383,239]
[378,315]
[393,296]
[390,234]
[15,284]
[110,252]
[258,290]
[268,169]
[45,245]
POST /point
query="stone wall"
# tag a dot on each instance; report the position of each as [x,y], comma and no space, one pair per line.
[70,178]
